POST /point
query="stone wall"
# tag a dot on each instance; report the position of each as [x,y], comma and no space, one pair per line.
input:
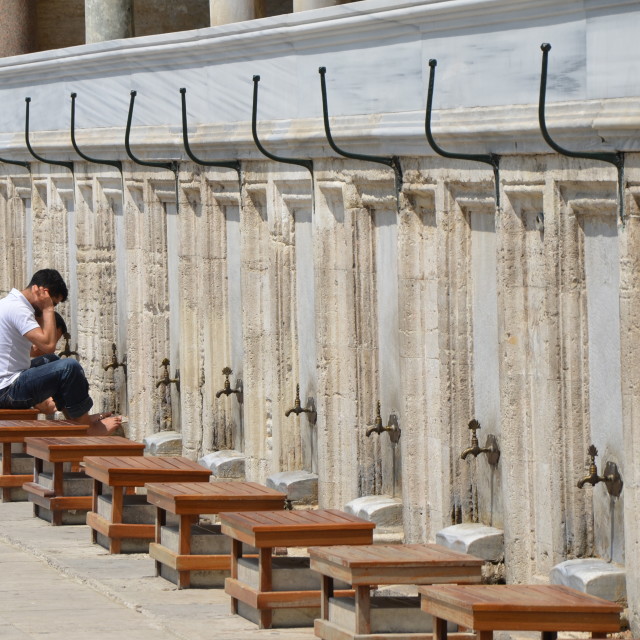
[435,302]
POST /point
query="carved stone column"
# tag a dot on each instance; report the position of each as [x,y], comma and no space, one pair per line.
[304,5]
[17,27]
[108,20]
[227,11]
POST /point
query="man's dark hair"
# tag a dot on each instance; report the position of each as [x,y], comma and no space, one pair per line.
[60,323]
[52,280]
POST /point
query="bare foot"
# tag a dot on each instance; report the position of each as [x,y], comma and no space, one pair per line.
[104,426]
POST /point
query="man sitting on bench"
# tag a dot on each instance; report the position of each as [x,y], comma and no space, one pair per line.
[21,385]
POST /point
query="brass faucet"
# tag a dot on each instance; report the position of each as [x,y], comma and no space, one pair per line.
[166,380]
[66,352]
[114,364]
[492,451]
[297,408]
[227,391]
[392,429]
[611,476]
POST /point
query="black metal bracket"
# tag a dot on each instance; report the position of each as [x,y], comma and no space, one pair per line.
[487,158]
[393,161]
[307,164]
[19,163]
[172,165]
[615,158]
[112,163]
[59,163]
[231,164]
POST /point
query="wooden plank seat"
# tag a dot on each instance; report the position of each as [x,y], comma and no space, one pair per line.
[59,451]
[122,473]
[517,607]
[188,501]
[363,567]
[15,431]
[19,414]
[266,530]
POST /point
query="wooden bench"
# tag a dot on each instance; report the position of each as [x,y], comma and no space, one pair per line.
[190,500]
[370,565]
[15,431]
[57,451]
[518,607]
[266,530]
[19,414]
[121,473]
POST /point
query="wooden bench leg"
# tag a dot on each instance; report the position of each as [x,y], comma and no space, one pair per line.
[264,582]
[549,635]
[363,609]
[97,491]
[327,593]
[117,498]
[483,635]
[184,549]
[236,552]
[38,465]
[58,490]
[440,629]
[6,469]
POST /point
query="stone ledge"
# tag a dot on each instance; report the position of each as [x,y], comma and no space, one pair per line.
[164,443]
[475,539]
[225,464]
[301,487]
[593,576]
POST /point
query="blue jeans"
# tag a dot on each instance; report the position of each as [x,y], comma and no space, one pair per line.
[62,380]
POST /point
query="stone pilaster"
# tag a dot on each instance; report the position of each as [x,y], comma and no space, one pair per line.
[17,27]
[108,20]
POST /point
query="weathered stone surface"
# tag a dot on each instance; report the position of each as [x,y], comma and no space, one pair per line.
[73,483]
[165,443]
[300,486]
[593,576]
[225,464]
[385,511]
[475,539]
[135,510]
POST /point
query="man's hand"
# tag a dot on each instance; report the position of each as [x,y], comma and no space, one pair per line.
[42,299]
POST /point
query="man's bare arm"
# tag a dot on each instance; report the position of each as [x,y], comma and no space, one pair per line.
[45,336]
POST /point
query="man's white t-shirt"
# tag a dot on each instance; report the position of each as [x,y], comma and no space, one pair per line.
[17,317]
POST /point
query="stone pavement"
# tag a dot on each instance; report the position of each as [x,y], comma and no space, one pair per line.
[56,585]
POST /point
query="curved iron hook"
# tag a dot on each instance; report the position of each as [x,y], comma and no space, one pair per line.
[60,163]
[307,164]
[393,161]
[112,163]
[231,164]
[19,163]
[171,165]
[487,158]
[615,158]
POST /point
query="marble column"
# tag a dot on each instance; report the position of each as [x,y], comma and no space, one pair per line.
[17,27]
[227,11]
[304,5]
[108,20]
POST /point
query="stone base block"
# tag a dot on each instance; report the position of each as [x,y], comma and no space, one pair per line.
[475,539]
[388,615]
[135,510]
[288,574]
[300,486]
[593,576]
[225,464]
[21,464]
[68,517]
[128,545]
[73,483]
[164,443]
[282,618]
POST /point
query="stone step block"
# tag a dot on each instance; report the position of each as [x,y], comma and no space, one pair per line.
[21,464]
[127,545]
[388,615]
[73,483]
[74,516]
[163,443]
[301,487]
[288,574]
[475,539]
[225,464]
[282,618]
[385,511]
[593,576]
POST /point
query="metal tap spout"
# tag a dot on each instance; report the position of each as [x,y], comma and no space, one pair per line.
[474,451]
[611,476]
[492,450]
[166,379]
[227,391]
[297,406]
